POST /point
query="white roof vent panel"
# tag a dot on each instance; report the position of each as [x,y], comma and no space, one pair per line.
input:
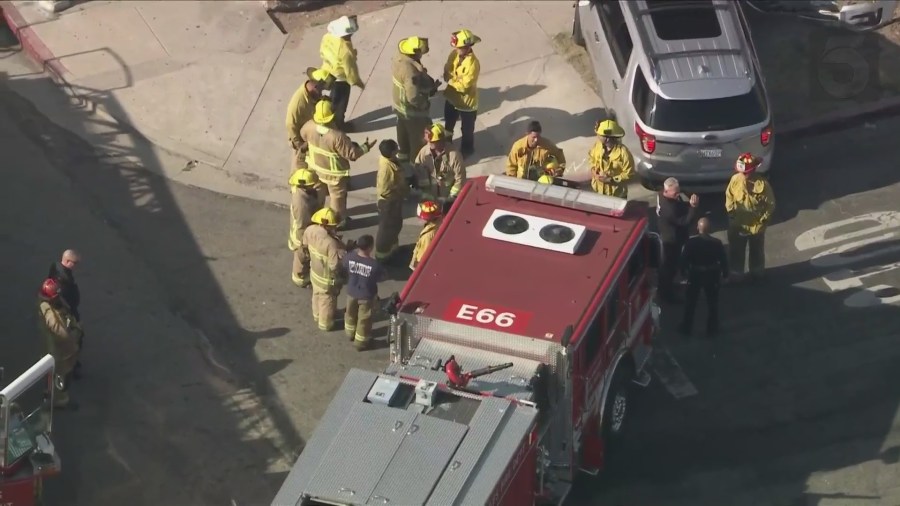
[534,231]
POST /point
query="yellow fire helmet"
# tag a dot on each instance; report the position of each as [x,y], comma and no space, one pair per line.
[609,128]
[303,178]
[324,113]
[325,217]
[321,76]
[435,133]
[464,38]
[413,45]
[551,166]
[546,179]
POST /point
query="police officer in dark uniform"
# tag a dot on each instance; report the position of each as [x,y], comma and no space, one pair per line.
[704,264]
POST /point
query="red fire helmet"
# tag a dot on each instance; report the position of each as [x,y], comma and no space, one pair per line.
[50,288]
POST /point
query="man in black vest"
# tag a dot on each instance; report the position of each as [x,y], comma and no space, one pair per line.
[62,273]
[675,216]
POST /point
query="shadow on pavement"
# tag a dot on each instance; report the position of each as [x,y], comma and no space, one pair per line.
[374,121]
[491,98]
[512,127]
[142,438]
[812,68]
[797,385]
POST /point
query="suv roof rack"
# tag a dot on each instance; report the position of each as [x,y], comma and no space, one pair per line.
[670,61]
[680,5]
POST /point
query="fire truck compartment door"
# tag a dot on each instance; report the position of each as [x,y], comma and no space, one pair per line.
[419,462]
[382,453]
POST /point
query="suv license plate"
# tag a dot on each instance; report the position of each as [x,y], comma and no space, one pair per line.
[711,153]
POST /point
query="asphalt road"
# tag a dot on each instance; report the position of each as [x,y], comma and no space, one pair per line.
[204,375]
[798,400]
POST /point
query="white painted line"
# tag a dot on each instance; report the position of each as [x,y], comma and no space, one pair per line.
[670,373]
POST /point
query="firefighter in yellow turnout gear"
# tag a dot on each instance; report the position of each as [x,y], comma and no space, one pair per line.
[530,155]
[439,168]
[304,203]
[339,59]
[412,92]
[429,212]
[330,154]
[750,204]
[300,110]
[612,165]
[61,332]
[326,251]
[461,73]
[392,189]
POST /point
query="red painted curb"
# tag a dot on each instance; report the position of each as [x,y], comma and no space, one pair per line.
[31,43]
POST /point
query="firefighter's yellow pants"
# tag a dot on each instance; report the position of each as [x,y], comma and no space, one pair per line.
[390,222]
[358,319]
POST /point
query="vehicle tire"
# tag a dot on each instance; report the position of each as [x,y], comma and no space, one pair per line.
[577,36]
[615,414]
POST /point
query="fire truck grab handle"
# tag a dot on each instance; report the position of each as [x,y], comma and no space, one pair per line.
[567,336]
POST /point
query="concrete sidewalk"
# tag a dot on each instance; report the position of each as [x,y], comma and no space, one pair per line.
[212,84]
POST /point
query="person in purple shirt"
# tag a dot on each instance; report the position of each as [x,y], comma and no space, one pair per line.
[363,273]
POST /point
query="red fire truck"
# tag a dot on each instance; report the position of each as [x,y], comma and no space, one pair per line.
[27,454]
[544,294]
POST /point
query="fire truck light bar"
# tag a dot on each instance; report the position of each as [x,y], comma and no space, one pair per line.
[586,201]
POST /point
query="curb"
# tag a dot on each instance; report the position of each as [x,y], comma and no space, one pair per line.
[841,119]
[36,50]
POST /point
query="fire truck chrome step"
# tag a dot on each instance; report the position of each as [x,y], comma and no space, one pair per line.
[592,471]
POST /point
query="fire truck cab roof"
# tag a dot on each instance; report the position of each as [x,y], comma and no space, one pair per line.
[540,255]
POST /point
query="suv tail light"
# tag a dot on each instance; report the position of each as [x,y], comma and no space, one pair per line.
[765,136]
[648,142]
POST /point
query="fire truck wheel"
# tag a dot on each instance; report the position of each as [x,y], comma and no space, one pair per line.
[616,411]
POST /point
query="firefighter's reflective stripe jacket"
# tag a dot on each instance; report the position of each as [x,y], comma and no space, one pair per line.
[330,150]
[339,59]
[299,111]
[325,255]
[521,157]
[390,183]
[412,88]
[425,237]
[303,204]
[749,202]
[461,75]
[60,330]
[618,166]
[440,176]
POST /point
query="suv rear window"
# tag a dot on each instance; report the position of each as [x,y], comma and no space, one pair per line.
[685,19]
[697,115]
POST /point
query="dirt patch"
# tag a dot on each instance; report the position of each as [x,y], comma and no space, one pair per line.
[800,81]
[577,57]
[294,18]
